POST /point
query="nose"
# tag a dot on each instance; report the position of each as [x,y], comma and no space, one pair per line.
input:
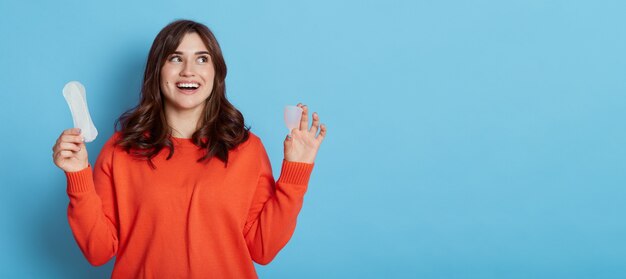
[187,70]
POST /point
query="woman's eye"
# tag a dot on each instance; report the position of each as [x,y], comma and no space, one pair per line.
[203,59]
[175,59]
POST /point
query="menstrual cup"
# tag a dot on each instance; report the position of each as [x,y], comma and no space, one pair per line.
[76,97]
[293,114]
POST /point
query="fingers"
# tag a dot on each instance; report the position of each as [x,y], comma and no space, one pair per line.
[315,126]
[65,153]
[316,123]
[70,138]
[67,146]
[69,153]
[73,131]
[304,121]
[322,134]
[70,141]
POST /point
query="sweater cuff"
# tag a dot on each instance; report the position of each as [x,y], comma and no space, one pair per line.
[80,181]
[295,172]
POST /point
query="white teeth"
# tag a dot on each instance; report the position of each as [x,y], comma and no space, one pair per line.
[189,85]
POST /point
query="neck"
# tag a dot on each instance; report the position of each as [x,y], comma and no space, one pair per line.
[183,122]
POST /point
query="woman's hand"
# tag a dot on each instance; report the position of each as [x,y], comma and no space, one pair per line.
[302,144]
[69,152]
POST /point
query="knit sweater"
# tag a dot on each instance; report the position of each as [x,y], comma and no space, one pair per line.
[185,219]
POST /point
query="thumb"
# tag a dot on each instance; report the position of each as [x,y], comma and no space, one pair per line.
[287,143]
[82,153]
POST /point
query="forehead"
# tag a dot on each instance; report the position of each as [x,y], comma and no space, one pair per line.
[191,43]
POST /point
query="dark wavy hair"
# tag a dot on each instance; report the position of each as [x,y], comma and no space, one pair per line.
[144,129]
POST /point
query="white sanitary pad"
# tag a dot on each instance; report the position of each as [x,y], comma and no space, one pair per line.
[74,93]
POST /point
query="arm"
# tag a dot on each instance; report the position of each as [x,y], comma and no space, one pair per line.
[275,207]
[91,211]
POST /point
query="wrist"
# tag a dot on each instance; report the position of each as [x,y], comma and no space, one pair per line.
[299,161]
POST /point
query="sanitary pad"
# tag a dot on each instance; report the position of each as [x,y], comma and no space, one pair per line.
[74,93]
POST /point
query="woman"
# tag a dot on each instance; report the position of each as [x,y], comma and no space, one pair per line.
[184,189]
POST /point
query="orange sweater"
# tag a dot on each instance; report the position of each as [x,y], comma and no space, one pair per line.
[185,219]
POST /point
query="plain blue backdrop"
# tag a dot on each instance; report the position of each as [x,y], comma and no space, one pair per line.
[466,139]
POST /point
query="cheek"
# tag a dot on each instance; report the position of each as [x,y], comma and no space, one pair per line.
[166,77]
[209,76]
[164,84]
[167,72]
[208,72]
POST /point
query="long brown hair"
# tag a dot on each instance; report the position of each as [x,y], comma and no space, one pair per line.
[144,129]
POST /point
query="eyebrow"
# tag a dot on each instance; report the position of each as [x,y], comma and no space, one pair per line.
[197,52]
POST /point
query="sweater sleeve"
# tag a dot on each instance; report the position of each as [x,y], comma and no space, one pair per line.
[91,211]
[275,207]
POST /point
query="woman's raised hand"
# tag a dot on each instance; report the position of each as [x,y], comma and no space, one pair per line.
[69,152]
[302,144]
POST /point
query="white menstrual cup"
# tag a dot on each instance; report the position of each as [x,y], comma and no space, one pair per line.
[74,93]
[292,117]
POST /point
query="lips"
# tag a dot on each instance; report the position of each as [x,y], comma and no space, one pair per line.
[187,87]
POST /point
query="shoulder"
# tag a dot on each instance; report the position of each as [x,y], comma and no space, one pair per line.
[253,146]
[112,141]
[110,145]
[252,143]
[107,153]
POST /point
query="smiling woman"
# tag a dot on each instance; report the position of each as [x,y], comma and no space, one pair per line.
[207,210]
[184,54]
[187,79]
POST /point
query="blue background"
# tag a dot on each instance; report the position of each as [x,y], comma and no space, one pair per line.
[466,139]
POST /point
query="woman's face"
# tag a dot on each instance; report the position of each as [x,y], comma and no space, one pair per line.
[187,75]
